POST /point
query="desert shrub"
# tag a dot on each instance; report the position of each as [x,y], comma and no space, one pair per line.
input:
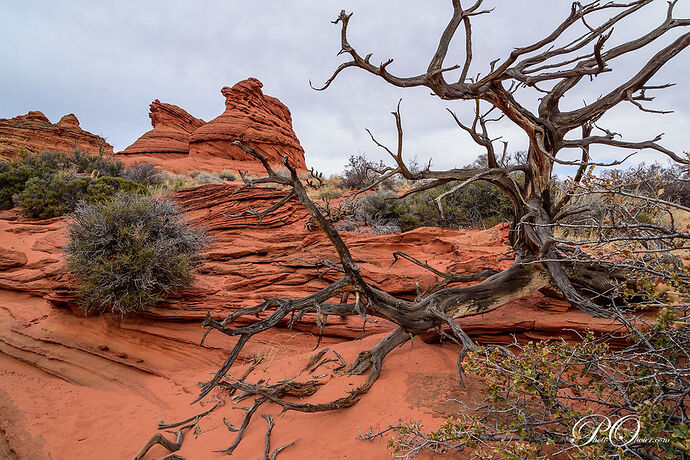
[625,199]
[347,226]
[97,165]
[50,184]
[678,191]
[360,173]
[103,188]
[128,253]
[171,181]
[43,197]
[54,195]
[228,175]
[143,172]
[564,398]
[205,177]
[670,183]
[12,181]
[193,173]
[386,229]
[478,205]
[15,173]
[383,209]
[329,191]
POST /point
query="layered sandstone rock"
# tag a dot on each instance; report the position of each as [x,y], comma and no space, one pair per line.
[250,116]
[108,380]
[250,261]
[34,132]
[180,142]
[172,128]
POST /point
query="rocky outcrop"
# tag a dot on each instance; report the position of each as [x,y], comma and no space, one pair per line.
[250,116]
[172,128]
[34,132]
[249,261]
[180,142]
[10,258]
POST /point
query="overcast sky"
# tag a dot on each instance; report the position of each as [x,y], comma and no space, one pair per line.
[106,62]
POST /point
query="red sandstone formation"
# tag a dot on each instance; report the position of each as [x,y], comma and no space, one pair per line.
[94,387]
[249,116]
[34,132]
[179,142]
[172,128]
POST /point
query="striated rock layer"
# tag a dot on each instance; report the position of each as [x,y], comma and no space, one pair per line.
[179,142]
[250,116]
[34,132]
[94,387]
[249,261]
[172,128]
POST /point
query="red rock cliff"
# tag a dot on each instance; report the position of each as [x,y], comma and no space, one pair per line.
[35,132]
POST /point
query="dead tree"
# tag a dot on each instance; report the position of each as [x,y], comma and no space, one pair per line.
[541,259]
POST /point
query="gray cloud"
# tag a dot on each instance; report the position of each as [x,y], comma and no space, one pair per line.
[106,62]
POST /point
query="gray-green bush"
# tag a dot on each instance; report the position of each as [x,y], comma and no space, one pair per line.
[478,205]
[130,252]
[50,184]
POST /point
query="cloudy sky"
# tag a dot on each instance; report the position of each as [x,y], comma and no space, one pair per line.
[106,61]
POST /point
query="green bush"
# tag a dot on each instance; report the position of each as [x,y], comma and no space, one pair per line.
[96,165]
[478,205]
[15,173]
[128,253]
[44,197]
[50,184]
[51,196]
[103,188]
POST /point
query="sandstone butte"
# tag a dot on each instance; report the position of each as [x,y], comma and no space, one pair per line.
[76,387]
[180,142]
[34,132]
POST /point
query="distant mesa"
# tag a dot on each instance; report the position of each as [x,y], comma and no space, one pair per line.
[180,142]
[34,132]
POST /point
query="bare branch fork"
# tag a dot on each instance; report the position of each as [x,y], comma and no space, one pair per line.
[546,60]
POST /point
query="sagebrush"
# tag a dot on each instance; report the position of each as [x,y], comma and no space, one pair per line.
[129,253]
